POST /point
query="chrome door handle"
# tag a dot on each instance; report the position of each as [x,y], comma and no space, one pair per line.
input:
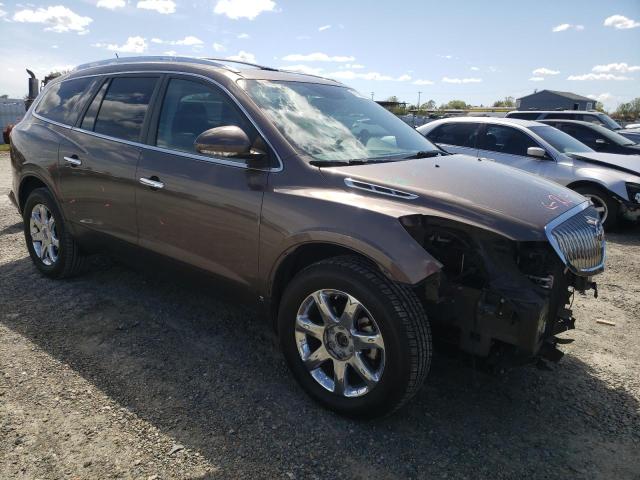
[73,160]
[151,183]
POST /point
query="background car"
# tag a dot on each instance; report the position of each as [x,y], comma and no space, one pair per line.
[598,118]
[612,182]
[596,137]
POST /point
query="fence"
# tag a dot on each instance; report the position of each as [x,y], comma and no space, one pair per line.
[11,111]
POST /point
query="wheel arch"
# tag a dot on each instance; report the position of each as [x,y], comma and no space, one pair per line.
[27,185]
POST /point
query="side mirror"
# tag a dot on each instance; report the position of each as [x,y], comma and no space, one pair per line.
[536,152]
[227,141]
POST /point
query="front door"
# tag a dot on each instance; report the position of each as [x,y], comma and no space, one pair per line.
[509,146]
[99,159]
[201,210]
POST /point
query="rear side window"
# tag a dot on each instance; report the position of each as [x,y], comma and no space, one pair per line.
[190,108]
[62,101]
[498,138]
[123,108]
[460,134]
[524,115]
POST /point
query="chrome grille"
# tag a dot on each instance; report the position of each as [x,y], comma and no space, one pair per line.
[578,238]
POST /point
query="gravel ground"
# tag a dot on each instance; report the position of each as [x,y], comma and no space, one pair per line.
[122,374]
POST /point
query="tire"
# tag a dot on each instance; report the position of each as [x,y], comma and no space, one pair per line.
[61,261]
[388,314]
[601,199]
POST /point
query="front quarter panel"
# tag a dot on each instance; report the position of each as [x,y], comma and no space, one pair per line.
[295,216]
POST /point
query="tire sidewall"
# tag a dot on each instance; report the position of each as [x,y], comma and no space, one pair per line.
[43,196]
[395,377]
[612,207]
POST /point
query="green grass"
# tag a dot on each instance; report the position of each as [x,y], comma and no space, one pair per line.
[4,147]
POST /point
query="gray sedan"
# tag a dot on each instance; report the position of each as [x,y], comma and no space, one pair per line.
[611,181]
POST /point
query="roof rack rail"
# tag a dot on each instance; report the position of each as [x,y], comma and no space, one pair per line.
[241,62]
[149,58]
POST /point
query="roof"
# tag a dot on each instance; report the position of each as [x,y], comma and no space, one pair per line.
[494,120]
[569,95]
[234,67]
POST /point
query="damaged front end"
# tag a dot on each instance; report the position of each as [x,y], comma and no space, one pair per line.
[495,293]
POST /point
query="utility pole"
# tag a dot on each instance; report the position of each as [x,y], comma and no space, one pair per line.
[372,95]
[419,101]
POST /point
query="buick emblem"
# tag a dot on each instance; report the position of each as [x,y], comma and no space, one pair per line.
[596,223]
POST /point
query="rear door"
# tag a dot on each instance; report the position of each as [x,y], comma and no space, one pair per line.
[509,146]
[201,210]
[97,175]
[456,137]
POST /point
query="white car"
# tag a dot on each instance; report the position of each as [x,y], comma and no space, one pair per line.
[611,181]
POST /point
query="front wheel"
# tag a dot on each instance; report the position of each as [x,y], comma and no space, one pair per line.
[52,248]
[607,207]
[357,342]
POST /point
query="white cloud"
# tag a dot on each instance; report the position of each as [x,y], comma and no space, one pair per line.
[243,56]
[218,47]
[447,57]
[132,45]
[422,82]
[161,6]
[171,53]
[111,4]
[303,69]
[353,66]
[461,80]
[244,36]
[620,22]
[375,76]
[2,12]
[316,57]
[536,79]
[58,18]
[323,28]
[597,76]
[188,41]
[616,67]
[542,71]
[250,9]
[475,69]
[563,27]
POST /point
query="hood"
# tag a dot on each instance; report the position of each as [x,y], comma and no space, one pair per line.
[482,193]
[624,163]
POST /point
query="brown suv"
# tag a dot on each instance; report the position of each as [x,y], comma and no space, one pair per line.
[356,232]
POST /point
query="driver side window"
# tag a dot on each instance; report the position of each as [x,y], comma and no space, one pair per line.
[190,108]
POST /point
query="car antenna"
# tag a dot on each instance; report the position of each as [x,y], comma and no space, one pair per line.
[117,55]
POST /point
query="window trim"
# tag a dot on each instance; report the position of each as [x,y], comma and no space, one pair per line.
[204,158]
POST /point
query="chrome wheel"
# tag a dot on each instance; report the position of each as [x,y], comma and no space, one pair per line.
[44,237]
[340,343]
[599,204]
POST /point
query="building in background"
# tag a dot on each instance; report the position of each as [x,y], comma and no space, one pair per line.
[554,100]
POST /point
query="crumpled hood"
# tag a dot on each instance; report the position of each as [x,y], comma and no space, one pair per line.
[483,193]
[625,163]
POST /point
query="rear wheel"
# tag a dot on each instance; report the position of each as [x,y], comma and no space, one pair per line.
[357,342]
[606,206]
[52,248]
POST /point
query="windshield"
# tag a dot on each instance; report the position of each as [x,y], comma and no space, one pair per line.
[614,137]
[560,140]
[333,123]
[609,122]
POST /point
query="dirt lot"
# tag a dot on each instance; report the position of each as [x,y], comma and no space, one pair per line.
[121,374]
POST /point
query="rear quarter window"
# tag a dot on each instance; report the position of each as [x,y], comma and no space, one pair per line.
[63,101]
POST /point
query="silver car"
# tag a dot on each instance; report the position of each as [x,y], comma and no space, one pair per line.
[611,181]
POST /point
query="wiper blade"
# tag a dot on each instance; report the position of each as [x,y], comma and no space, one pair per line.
[425,154]
[336,163]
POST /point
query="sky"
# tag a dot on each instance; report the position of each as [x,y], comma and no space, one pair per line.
[474,50]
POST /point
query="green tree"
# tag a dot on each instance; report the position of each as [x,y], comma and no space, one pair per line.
[455,105]
[508,102]
[430,105]
[628,111]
